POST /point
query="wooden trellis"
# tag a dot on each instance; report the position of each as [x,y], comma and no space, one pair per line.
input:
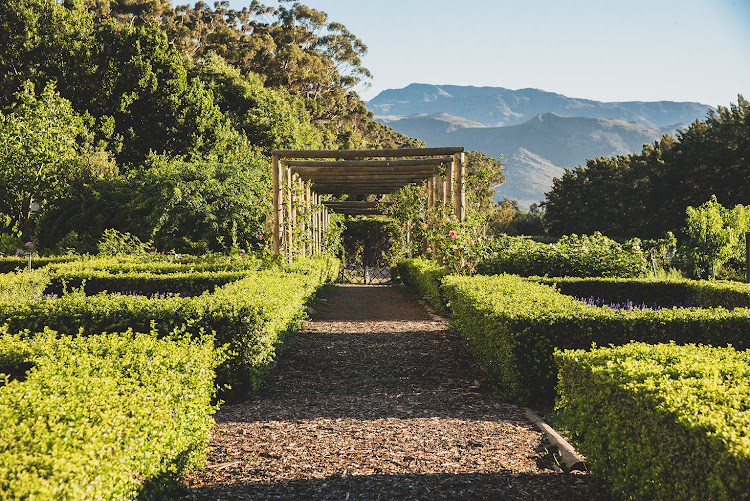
[300,177]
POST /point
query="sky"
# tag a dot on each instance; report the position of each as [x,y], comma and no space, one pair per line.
[606,50]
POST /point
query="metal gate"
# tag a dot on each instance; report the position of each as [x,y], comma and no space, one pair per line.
[356,273]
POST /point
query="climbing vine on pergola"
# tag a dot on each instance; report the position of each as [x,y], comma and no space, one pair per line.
[301,177]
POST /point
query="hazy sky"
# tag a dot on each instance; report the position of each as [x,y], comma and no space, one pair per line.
[624,50]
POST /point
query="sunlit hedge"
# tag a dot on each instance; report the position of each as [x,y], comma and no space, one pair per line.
[576,256]
[109,416]
[250,315]
[424,276]
[661,421]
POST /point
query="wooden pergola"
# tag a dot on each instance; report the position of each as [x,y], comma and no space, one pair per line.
[300,177]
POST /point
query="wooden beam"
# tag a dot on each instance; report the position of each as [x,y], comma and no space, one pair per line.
[380,164]
[363,204]
[311,172]
[385,153]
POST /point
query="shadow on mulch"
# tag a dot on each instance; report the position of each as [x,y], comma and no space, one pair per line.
[501,485]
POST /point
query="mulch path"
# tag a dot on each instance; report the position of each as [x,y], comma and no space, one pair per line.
[373,399]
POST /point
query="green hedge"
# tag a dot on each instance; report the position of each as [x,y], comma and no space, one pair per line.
[182,283]
[699,293]
[250,316]
[513,325]
[157,264]
[577,256]
[661,422]
[14,263]
[110,416]
[424,276]
[21,285]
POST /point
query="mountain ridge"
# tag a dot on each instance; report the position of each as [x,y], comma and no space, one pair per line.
[499,106]
[539,147]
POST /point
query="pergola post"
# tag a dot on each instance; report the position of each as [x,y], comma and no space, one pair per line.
[278,202]
[291,215]
[459,198]
[448,189]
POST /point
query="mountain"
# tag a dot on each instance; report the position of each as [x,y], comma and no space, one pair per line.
[537,150]
[497,106]
[538,133]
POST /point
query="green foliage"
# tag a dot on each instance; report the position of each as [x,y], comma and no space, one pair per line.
[507,218]
[513,324]
[661,421]
[370,241]
[116,243]
[582,256]
[424,276]
[271,119]
[185,207]
[109,416]
[22,285]
[38,137]
[251,316]
[665,293]
[646,194]
[714,235]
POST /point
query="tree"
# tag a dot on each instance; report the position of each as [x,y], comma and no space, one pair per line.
[713,234]
[483,173]
[37,138]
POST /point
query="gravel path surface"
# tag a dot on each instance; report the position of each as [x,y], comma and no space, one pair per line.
[375,400]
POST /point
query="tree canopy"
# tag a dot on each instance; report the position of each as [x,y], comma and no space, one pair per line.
[646,194]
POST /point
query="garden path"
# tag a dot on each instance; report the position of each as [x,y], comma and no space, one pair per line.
[374,399]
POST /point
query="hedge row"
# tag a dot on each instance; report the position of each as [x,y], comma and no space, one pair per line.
[577,256]
[22,285]
[513,325]
[250,316]
[159,264]
[15,263]
[110,416]
[661,421]
[699,293]
[424,276]
[94,281]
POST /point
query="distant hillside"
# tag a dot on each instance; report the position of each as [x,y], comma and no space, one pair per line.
[536,150]
[497,106]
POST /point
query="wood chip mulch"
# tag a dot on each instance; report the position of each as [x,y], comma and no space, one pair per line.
[373,399]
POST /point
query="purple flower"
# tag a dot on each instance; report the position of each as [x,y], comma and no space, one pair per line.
[20,252]
[29,244]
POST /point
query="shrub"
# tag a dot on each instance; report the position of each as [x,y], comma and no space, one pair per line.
[251,316]
[699,293]
[424,277]
[660,422]
[513,325]
[23,284]
[572,255]
[108,416]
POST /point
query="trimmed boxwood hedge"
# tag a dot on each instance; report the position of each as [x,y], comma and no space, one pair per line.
[660,421]
[251,316]
[109,416]
[424,276]
[513,325]
[666,293]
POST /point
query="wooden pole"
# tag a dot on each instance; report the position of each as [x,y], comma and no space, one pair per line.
[291,216]
[459,200]
[308,229]
[448,190]
[278,202]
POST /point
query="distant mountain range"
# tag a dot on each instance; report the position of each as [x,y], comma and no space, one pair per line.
[539,133]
